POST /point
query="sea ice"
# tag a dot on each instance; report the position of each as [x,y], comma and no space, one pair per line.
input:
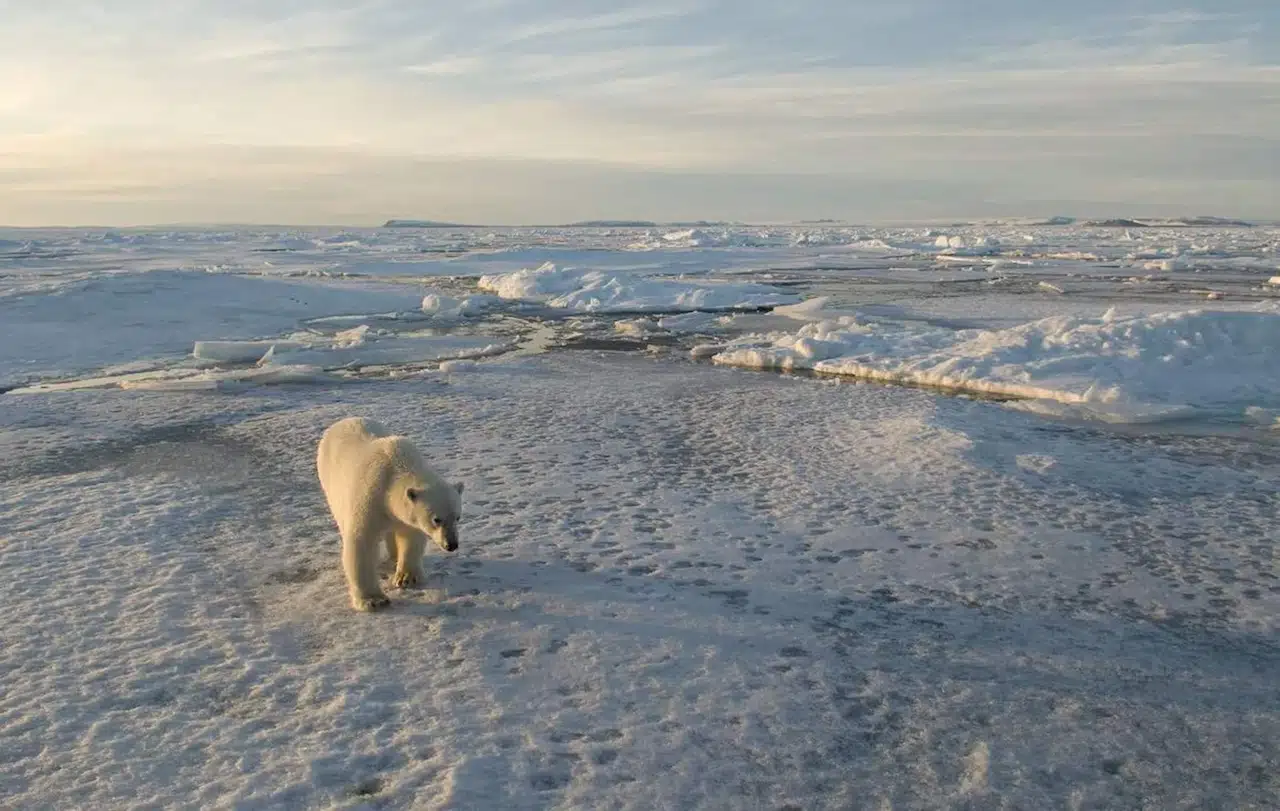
[635,327]
[383,351]
[450,366]
[1120,368]
[448,307]
[694,322]
[725,238]
[239,351]
[597,291]
[185,380]
[86,324]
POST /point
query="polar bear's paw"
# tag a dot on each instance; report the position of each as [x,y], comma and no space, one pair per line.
[406,579]
[373,603]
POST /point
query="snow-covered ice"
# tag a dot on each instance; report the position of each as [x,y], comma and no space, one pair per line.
[1112,367]
[92,322]
[681,584]
[446,307]
[597,291]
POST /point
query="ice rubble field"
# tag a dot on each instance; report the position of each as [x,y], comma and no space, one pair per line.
[1102,324]
[682,584]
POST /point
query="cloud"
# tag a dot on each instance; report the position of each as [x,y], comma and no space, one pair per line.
[987,101]
[560,26]
[448,66]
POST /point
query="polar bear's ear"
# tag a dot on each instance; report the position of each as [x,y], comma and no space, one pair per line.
[458,487]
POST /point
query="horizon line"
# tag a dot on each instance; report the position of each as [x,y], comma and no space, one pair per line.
[409,223]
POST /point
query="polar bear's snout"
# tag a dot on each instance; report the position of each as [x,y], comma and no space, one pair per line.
[444,533]
[447,537]
[435,512]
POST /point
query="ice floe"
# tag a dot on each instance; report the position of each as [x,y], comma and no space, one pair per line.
[1115,368]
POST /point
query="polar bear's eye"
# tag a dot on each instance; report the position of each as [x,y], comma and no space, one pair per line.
[435,521]
[413,494]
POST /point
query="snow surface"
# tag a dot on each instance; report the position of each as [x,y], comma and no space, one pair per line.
[681,584]
[678,587]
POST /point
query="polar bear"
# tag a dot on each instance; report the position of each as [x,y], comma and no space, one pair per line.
[381,490]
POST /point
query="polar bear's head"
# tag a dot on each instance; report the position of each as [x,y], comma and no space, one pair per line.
[434,508]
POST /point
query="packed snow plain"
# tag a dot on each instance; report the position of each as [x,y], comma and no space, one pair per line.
[1002,536]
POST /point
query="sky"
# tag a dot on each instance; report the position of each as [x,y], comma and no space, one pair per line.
[543,111]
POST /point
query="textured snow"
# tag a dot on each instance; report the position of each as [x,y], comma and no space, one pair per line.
[598,291]
[678,587]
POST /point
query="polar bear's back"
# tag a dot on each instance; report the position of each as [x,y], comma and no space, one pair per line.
[349,463]
[353,430]
[346,442]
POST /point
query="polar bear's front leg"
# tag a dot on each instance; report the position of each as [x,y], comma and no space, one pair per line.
[360,562]
[411,545]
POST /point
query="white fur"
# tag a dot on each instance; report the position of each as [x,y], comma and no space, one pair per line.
[381,490]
